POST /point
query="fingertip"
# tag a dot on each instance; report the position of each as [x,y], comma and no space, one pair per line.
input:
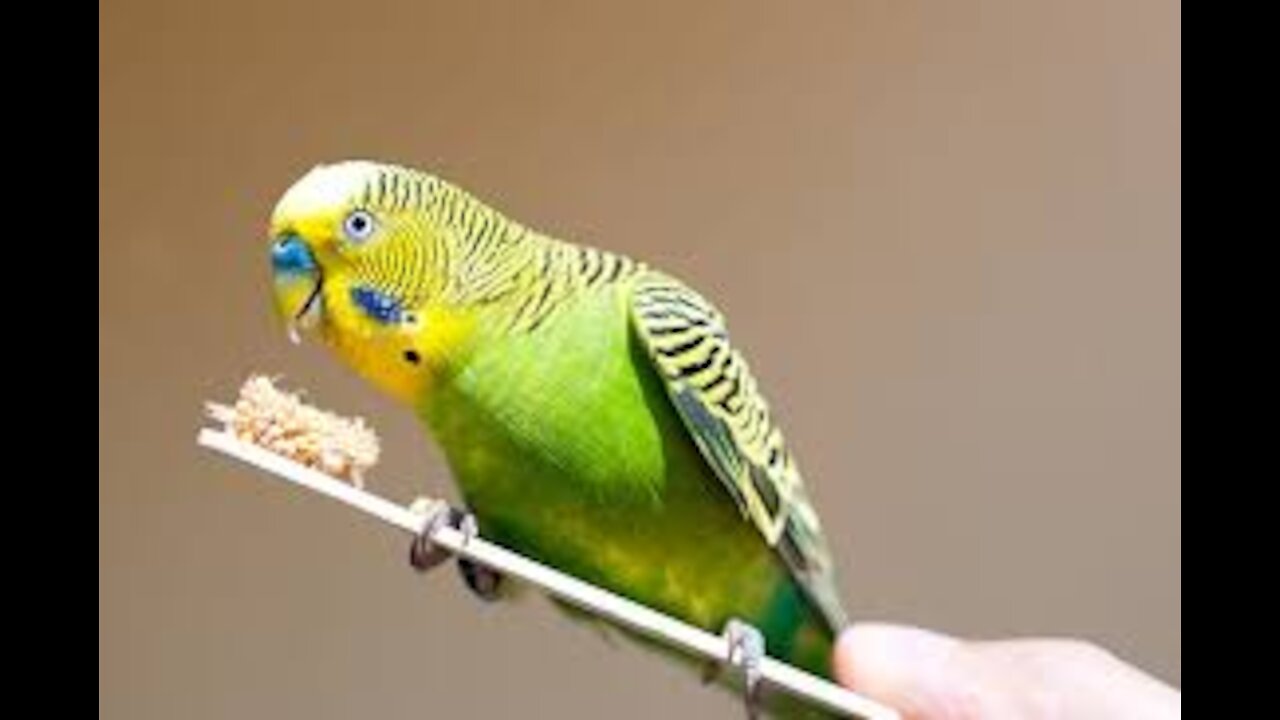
[904,666]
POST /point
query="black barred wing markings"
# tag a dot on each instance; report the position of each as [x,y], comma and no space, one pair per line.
[715,394]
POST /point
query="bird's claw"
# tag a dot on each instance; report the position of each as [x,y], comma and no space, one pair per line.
[484,582]
[423,553]
[469,528]
[746,650]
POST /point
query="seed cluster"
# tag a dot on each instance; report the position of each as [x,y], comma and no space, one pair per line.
[281,422]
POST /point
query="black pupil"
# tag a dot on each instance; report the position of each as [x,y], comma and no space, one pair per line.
[358,223]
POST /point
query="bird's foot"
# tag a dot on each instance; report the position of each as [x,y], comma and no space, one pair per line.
[423,553]
[484,581]
[746,650]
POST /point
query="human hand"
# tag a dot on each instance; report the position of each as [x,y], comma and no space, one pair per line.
[928,676]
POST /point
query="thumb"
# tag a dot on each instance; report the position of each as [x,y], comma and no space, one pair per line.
[921,673]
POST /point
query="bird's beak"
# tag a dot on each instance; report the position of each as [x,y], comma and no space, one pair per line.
[296,281]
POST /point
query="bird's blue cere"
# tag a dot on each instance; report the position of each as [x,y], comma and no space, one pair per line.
[289,255]
[378,305]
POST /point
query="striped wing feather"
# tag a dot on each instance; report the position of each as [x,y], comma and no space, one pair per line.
[714,393]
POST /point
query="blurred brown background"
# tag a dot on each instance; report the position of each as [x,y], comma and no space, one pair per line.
[948,235]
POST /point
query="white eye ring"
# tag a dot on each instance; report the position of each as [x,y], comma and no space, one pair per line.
[358,225]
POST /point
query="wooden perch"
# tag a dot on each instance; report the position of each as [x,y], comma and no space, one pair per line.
[567,588]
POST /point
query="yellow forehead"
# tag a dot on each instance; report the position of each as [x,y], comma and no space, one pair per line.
[322,194]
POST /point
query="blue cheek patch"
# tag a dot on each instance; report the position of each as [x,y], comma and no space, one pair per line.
[379,306]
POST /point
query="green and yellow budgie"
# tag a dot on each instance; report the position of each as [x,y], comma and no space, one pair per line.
[592,409]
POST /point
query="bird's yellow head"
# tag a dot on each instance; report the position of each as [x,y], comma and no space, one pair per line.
[360,256]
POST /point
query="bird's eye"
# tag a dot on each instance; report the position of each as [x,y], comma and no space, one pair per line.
[358,225]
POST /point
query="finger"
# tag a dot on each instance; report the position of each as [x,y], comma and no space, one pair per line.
[921,673]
